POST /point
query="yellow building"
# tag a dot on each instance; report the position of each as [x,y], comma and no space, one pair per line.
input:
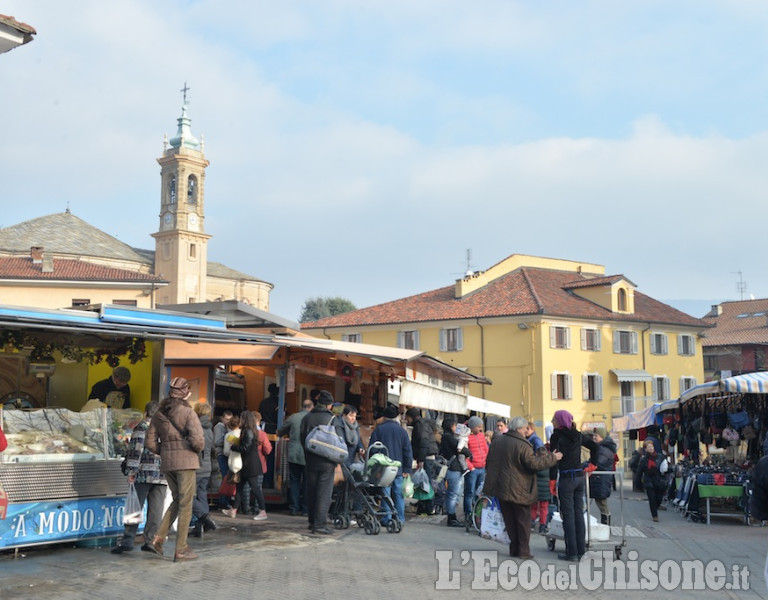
[549,334]
[60,261]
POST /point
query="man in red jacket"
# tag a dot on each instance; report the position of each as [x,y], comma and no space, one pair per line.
[473,480]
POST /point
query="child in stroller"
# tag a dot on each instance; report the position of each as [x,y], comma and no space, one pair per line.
[362,496]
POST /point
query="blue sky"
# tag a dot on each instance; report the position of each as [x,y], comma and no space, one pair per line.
[358,149]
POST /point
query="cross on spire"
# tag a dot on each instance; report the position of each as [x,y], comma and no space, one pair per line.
[184,90]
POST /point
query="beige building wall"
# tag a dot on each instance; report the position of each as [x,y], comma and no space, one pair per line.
[62,296]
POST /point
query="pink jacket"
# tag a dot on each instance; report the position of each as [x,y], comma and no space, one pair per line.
[265,447]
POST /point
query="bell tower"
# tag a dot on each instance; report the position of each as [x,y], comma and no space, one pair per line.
[181,245]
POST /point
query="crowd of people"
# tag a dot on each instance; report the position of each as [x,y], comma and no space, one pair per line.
[176,448]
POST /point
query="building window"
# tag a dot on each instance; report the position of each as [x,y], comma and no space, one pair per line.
[659,343]
[759,359]
[622,299]
[711,362]
[451,340]
[686,383]
[660,386]
[355,338]
[625,342]
[562,386]
[125,302]
[80,302]
[590,340]
[686,345]
[172,189]
[408,340]
[193,251]
[592,386]
[559,337]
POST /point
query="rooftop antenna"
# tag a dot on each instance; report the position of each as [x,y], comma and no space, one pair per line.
[741,285]
[470,270]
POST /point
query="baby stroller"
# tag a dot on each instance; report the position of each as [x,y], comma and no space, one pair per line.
[364,496]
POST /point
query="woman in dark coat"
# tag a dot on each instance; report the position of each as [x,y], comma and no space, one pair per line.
[653,479]
[571,485]
[252,472]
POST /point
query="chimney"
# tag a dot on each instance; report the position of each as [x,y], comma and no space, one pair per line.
[36,252]
[47,263]
[717,310]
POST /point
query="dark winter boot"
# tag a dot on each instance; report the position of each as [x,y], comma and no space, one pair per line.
[453,521]
[197,530]
[208,523]
[605,519]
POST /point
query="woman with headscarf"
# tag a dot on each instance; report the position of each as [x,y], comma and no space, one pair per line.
[571,486]
[176,435]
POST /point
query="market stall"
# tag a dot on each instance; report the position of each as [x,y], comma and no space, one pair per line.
[61,470]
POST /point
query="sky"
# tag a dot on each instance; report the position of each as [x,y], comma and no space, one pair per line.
[364,149]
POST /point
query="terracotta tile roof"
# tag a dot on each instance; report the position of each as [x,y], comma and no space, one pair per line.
[20,267]
[17,25]
[741,322]
[595,281]
[524,291]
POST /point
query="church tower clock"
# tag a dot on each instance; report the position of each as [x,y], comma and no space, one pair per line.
[181,245]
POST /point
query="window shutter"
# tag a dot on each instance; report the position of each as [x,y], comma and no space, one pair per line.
[683,381]
[585,387]
[443,343]
[569,387]
[567,337]
[554,386]
[680,344]
[552,336]
[598,387]
[634,341]
[598,339]
[583,339]
[617,342]
[401,339]
[666,388]
[416,341]
[459,339]
[655,388]
[664,344]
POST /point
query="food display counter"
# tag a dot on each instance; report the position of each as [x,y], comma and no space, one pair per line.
[61,472]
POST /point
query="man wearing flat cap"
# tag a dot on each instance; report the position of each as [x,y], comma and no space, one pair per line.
[318,470]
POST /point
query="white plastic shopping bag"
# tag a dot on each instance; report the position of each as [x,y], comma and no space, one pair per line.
[133,514]
[492,523]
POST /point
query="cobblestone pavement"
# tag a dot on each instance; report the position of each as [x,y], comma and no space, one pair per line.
[276,558]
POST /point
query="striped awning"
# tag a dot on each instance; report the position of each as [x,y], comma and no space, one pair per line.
[631,374]
[750,383]
[710,387]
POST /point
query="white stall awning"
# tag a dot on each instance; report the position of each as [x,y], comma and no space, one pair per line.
[488,407]
[432,398]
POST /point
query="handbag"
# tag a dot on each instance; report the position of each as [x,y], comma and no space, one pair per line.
[233,477]
[133,511]
[492,523]
[227,488]
[323,441]
[235,462]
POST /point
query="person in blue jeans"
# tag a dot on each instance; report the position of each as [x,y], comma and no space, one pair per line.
[449,449]
[478,447]
[220,431]
[390,433]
